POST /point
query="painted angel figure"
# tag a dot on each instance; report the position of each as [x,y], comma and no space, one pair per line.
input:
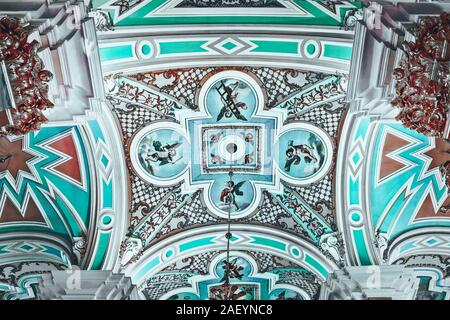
[216,159]
[294,153]
[232,270]
[161,154]
[228,194]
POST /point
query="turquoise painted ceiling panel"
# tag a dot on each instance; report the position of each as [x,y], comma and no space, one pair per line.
[167,12]
[53,189]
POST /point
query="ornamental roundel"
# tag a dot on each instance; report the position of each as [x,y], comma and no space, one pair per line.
[232,147]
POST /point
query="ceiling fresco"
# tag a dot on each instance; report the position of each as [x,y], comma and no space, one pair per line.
[278,279]
[230,132]
[220,150]
[229,142]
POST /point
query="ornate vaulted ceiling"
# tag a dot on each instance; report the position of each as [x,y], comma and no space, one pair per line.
[207,143]
[220,150]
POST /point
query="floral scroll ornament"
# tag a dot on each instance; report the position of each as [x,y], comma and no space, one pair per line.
[26,74]
[423,78]
[102,21]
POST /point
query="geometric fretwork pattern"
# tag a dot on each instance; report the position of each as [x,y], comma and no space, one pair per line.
[272,213]
[319,195]
[325,116]
[132,116]
[183,84]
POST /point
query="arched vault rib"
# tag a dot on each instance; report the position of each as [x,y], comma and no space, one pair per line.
[245,237]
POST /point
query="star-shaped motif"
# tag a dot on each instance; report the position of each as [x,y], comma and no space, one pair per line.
[13,157]
[440,154]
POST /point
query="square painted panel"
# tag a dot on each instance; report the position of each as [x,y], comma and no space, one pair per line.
[231,146]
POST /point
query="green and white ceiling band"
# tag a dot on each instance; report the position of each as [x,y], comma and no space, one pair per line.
[153,53]
[245,237]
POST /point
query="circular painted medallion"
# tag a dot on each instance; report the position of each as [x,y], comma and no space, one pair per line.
[231,99]
[303,152]
[160,154]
